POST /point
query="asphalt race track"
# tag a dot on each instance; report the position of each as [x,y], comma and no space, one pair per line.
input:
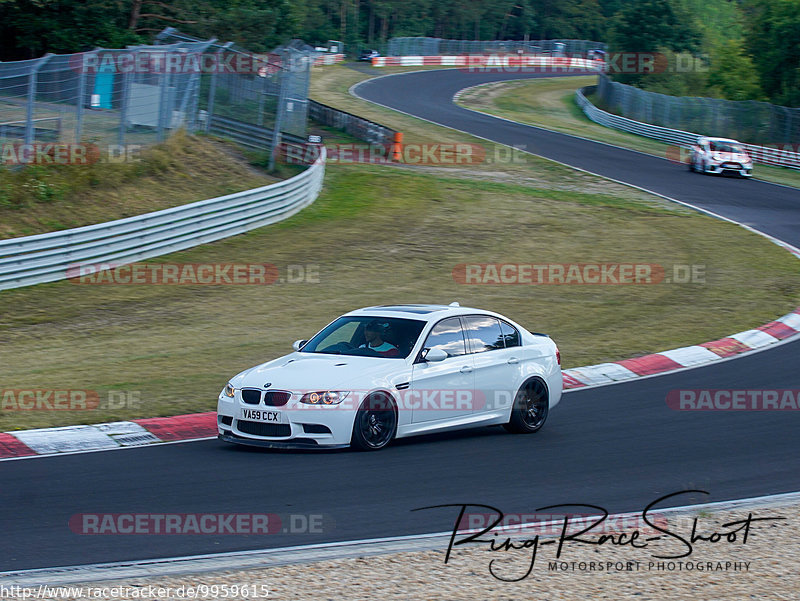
[617,446]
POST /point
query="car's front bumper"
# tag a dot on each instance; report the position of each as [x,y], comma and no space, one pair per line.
[723,169]
[292,444]
[304,425]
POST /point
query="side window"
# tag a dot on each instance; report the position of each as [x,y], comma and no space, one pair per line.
[510,334]
[483,333]
[448,336]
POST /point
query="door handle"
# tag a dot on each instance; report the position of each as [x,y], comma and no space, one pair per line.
[466,369]
[513,360]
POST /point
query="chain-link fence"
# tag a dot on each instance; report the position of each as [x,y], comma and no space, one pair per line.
[748,121]
[440,47]
[139,94]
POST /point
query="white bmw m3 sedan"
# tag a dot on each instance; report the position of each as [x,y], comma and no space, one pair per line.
[380,373]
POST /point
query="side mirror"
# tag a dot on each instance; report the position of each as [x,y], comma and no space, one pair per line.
[298,344]
[434,355]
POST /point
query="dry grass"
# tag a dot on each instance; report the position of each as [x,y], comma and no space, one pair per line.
[183,169]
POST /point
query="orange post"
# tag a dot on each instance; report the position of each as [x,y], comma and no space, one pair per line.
[397,147]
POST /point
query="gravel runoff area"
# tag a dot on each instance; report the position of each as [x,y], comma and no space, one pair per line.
[764,566]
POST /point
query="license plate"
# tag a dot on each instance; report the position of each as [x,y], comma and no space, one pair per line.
[262,415]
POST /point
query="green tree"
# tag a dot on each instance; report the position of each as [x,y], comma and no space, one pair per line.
[733,73]
[647,25]
[773,40]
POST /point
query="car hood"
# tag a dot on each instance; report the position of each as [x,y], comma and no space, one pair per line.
[317,372]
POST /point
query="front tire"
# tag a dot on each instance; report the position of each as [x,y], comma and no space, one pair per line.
[375,425]
[530,410]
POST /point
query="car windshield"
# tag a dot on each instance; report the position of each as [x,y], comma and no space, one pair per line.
[365,336]
[726,147]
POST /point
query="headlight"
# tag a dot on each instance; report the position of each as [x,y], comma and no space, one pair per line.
[229,390]
[329,397]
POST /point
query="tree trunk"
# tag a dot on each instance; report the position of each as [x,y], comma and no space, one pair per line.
[371,25]
[136,10]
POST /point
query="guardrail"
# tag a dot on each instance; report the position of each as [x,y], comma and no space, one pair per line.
[19,129]
[777,157]
[328,59]
[252,136]
[260,138]
[356,126]
[55,256]
[488,62]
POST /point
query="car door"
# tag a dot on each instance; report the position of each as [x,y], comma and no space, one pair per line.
[442,390]
[494,345]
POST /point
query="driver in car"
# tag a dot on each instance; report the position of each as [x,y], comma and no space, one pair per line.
[374,332]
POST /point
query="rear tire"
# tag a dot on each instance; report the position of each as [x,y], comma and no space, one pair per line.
[375,424]
[530,410]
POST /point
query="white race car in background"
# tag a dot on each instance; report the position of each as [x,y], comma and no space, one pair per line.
[720,155]
[393,371]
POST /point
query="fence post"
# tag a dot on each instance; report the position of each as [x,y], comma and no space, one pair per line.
[788,128]
[212,89]
[126,100]
[32,76]
[81,100]
[262,98]
[162,106]
[276,132]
